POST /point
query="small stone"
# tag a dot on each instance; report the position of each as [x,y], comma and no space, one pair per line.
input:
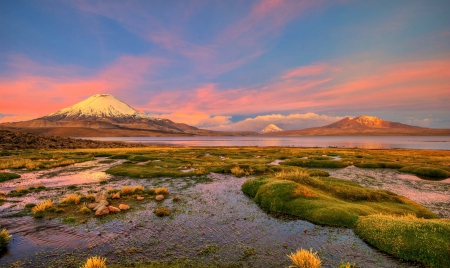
[103,210]
[124,207]
[92,205]
[102,203]
[116,195]
[113,209]
[140,198]
[159,197]
[100,196]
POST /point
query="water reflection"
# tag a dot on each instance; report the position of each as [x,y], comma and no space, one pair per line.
[364,142]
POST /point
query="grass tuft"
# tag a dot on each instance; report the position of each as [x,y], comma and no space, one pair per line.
[162,190]
[162,212]
[71,199]
[305,259]
[95,262]
[4,238]
[42,206]
[127,190]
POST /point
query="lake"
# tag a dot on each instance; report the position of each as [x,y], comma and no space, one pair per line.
[365,142]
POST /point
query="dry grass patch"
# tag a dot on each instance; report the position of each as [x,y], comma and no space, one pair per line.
[71,199]
[127,190]
[139,189]
[42,206]
[162,190]
[4,238]
[305,259]
[95,262]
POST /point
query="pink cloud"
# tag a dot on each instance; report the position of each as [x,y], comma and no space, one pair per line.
[28,92]
[360,86]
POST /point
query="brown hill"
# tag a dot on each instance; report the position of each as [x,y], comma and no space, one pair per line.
[364,126]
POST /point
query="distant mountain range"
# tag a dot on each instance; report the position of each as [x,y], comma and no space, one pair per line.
[364,126]
[103,115]
[270,128]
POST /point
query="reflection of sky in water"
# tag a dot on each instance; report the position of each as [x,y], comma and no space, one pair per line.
[365,142]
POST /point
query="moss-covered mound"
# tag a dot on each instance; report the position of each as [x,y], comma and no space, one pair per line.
[427,172]
[311,163]
[379,165]
[5,176]
[328,201]
[409,238]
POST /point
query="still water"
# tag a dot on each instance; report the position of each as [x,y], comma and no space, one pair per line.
[365,142]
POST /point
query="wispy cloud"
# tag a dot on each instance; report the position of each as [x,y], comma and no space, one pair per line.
[286,122]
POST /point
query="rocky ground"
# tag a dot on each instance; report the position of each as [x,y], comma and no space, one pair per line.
[10,140]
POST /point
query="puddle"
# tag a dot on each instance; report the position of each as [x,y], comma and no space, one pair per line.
[188,170]
[275,162]
[214,214]
[435,195]
[80,173]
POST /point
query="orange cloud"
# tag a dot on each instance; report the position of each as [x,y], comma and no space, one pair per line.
[28,92]
[331,87]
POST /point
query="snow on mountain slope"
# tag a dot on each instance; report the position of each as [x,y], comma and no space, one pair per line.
[271,128]
[98,106]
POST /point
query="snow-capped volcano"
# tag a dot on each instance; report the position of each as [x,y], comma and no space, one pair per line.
[271,128]
[97,106]
[103,115]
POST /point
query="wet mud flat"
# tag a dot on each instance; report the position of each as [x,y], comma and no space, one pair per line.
[434,195]
[213,222]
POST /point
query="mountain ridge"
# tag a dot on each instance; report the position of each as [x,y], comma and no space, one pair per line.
[364,126]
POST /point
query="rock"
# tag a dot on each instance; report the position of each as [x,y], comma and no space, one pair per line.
[124,207]
[103,203]
[116,195]
[140,198]
[100,196]
[113,209]
[92,205]
[159,197]
[102,210]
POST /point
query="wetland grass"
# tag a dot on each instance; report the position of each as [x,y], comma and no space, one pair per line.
[95,262]
[328,201]
[408,237]
[4,238]
[6,176]
[427,172]
[305,259]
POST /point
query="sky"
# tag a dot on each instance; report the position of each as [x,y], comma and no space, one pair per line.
[230,65]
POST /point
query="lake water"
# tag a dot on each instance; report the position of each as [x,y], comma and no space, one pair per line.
[365,142]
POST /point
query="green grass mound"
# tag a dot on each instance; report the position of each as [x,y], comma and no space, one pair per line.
[379,165]
[5,176]
[409,238]
[327,201]
[315,163]
[427,172]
